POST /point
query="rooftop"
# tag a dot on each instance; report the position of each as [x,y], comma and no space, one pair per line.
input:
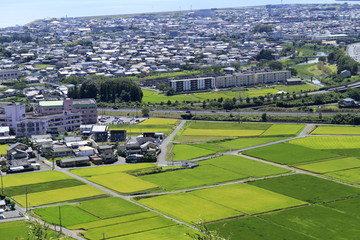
[51,103]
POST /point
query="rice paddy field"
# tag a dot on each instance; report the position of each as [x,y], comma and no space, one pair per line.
[219,203]
[20,230]
[48,187]
[302,223]
[337,130]
[113,218]
[307,188]
[150,125]
[289,154]
[213,171]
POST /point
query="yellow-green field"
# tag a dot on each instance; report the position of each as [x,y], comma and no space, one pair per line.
[3,149]
[331,165]
[324,142]
[219,203]
[159,121]
[337,130]
[220,132]
[94,171]
[33,178]
[283,129]
[59,195]
[123,183]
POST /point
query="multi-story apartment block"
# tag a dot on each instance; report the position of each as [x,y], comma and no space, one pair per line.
[9,74]
[250,79]
[195,84]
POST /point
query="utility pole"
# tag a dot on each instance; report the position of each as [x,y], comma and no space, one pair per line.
[60,219]
[2,183]
[26,198]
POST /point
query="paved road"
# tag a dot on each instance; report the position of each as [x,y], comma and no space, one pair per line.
[245,112]
[162,156]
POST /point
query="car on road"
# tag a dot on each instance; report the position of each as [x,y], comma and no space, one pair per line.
[115,107]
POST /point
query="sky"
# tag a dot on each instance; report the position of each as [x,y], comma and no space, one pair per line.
[20,12]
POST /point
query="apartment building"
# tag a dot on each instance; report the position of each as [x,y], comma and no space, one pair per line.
[250,79]
[194,84]
[9,74]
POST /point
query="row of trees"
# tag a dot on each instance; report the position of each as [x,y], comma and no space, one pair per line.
[343,61]
[107,90]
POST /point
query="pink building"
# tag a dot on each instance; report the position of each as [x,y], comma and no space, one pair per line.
[49,116]
[85,107]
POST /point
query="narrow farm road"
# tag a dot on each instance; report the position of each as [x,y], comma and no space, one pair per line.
[162,156]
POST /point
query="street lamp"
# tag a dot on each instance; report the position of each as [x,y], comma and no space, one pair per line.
[2,183]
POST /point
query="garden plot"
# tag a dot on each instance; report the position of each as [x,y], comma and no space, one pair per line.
[307,188]
[331,165]
[287,153]
[123,183]
[337,130]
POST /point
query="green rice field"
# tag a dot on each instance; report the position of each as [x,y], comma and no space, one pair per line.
[20,230]
[123,183]
[247,198]
[189,208]
[317,222]
[307,188]
[186,152]
[219,202]
[331,165]
[288,153]
[213,171]
[337,130]
[126,228]
[110,207]
[70,215]
[349,176]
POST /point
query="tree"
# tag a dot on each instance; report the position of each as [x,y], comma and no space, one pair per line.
[38,231]
[275,65]
[145,111]
[263,28]
[264,117]
[204,233]
[228,104]
[265,54]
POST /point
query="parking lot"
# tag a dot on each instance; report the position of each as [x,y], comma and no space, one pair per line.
[103,119]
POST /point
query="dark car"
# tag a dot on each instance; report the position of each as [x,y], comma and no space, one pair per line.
[115,107]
